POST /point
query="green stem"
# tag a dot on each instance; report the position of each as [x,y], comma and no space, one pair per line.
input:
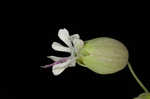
[136,78]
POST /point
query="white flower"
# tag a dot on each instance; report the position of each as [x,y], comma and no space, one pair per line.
[74,44]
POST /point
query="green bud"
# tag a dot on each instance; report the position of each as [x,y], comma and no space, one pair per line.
[143,96]
[103,55]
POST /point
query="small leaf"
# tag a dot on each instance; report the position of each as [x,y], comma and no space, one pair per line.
[143,96]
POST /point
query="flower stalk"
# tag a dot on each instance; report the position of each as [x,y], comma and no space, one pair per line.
[137,79]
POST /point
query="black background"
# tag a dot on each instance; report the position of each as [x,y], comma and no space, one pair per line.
[80,81]
[22,78]
[27,32]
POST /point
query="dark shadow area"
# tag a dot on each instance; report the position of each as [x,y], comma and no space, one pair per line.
[6,93]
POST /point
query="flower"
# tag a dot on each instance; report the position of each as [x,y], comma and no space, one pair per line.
[74,44]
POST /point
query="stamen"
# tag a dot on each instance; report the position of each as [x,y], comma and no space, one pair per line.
[57,62]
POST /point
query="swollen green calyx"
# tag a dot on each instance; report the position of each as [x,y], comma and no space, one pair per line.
[104,55]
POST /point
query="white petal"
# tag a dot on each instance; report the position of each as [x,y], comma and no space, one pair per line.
[63,34]
[73,63]
[58,71]
[55,58]
[78,44]
[75,36]
[59,68]
[58,47]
